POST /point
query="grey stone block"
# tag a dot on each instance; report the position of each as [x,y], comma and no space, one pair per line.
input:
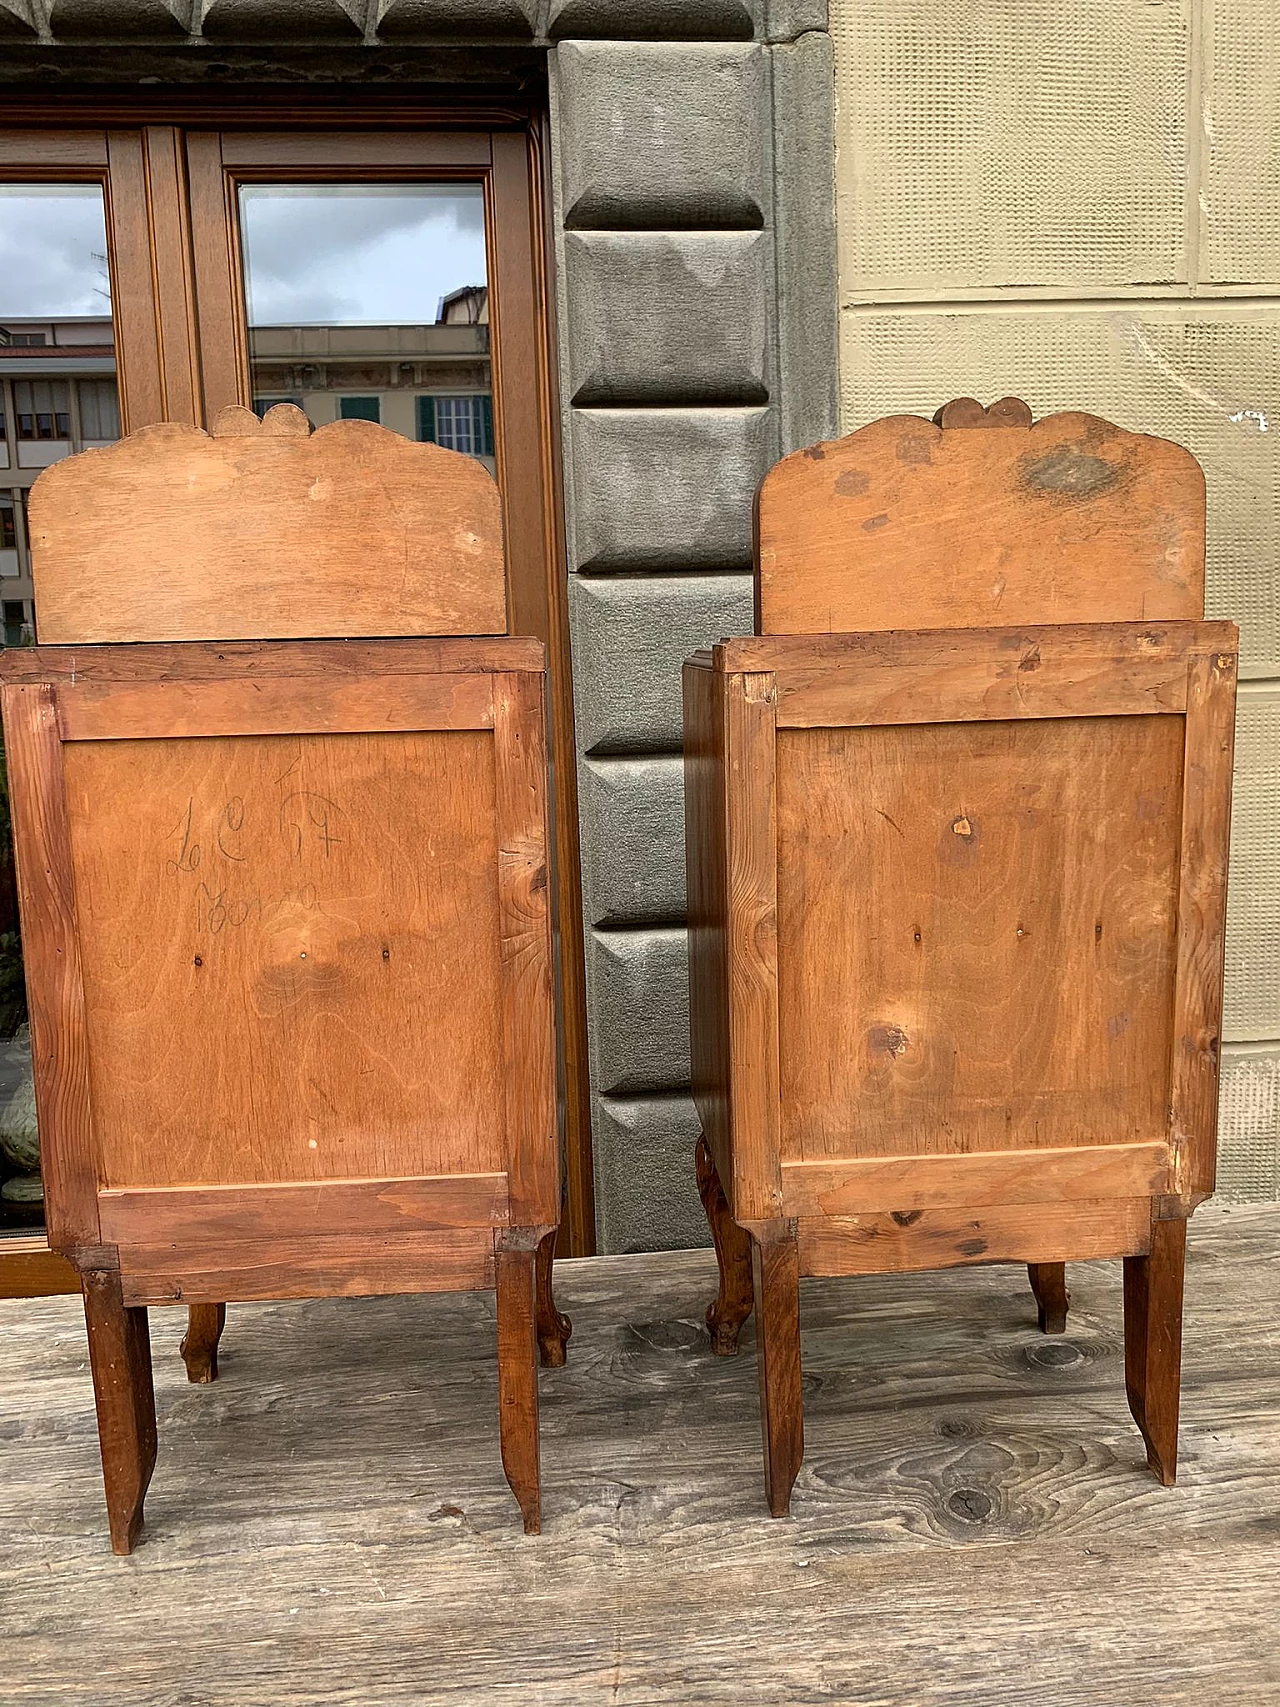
[631,636]
[666,488]
[667,317]
[632,817]
[666,20]
[786,20]
[81,20]
[807,315]
[282,20]
[646,1189]
[638,989]
[661,134]
[435,20]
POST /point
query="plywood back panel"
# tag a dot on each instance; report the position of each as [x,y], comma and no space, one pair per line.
[982,520]
[265,530]
[291,956]
[977,934]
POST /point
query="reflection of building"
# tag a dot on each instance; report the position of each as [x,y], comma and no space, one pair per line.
[427,382]
[57,395]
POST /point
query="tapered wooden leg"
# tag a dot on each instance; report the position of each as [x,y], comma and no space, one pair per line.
[736,1297]
[199,1347]
[120,1357]
[1049,1283]
[518,1380]
[553,1328]
[1153,1343]
[776,1264]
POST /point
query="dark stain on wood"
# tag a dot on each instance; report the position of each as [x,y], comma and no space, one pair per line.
[852,483]
[1069,473]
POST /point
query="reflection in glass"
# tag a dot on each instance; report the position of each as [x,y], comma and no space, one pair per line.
[370,302]
[57,395]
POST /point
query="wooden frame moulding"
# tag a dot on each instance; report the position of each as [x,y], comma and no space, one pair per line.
[933,1211]
[252,1241]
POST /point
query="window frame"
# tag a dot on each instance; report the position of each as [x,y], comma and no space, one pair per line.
[170,172]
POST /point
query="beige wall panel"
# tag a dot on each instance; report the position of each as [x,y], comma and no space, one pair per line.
[1205,375]
[1010,142]
[1253,904]
[1249,1125]
[1240,196]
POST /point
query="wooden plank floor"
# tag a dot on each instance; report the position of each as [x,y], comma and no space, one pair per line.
[973,1524]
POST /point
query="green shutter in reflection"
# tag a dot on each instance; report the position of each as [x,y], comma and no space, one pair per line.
[427,420]
[359,409]
[486,426]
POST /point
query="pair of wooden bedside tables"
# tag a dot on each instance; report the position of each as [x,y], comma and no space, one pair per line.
[957,833]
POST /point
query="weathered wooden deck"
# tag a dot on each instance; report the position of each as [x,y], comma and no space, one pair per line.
[973,1524]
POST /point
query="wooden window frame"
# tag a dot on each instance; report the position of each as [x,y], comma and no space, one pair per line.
[170,173]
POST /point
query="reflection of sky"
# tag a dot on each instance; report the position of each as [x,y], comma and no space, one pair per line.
[53,245]
[377,254]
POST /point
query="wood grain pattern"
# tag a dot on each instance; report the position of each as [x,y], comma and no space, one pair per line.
[735,1298]
[38,150]
[1049,1288]
[455,1259]
[951,1238]
[967,674]
[1003,977]
[856,1184]
[524,927]
[904,524]
[961,1476]
[1202,915]
[1153,1344]
[276,705]
[187,1215]
[754,1188]
[270,932]
[518,1380]
[326,661]
[51,955]
[169,249]
[775,1267]
[171,559]
[29,1269]
[215,262]
[373,149]
[120,1358]
[199,1345]
[134,322]
[707,874]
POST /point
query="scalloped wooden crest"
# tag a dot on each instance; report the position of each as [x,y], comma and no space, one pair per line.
[266,530]
[979,518]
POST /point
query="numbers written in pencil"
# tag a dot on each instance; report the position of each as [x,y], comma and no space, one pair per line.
[209,844]
[305,823]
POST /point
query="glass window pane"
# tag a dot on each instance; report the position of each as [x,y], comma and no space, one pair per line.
[57,395]
[368,302]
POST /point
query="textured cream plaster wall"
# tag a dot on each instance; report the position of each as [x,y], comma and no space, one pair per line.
[1079,204]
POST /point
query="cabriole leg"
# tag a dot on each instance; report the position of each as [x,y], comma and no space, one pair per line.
[120,1357]
[1049,1283]
[1153,1343]
[518,1380]
[199,1347]
[776,1264]
[553,1328]
[736,1298]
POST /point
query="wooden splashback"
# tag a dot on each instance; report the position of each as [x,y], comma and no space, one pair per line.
[266,530]
[980,518]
